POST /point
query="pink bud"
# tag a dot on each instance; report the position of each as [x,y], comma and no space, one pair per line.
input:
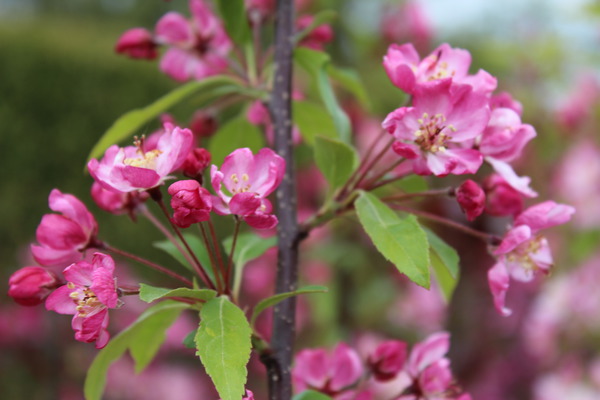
[196,162]
[318,37]
[203,124]
[192,203]
[137,43]
[471,199]
[30,286]
[388,359]
[502,199]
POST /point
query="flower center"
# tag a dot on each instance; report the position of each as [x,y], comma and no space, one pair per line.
[430,136]
[239,185]
[436,69]
[146,160]
[86,300]
[523,254]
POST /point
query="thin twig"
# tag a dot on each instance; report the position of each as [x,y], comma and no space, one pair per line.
[211,255]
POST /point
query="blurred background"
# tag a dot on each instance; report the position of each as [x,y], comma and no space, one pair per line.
[62,86]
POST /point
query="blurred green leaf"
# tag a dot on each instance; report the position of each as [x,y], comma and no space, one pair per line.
[311,395]
[336,160]
[312,120]
[234,17]
[142,338]
[235,134]
[401,241]
[223,344]
[448,256]
[273,300]
[150,293]
[349,80]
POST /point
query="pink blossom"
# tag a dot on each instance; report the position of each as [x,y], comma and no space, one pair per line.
[576,108]
[117,202]
[192,203]
[388,359]
[471,199]
[196,162]
[328,373]
[134,168]
[407,22]
[89,293]
[505,100]
[248,180]
[137,43]
[523,252]
[62,238]
[432,132]
[198,47]
[318,37]
[407,71]
[30,286]
[501,198]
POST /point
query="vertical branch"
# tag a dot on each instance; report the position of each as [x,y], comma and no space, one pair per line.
[279,360]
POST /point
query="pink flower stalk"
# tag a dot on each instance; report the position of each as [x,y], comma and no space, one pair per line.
[318,37]
[388,360]
[523,252]
[117,202]
[196,162]
[137,43]
[248,180]
[191,202]
[30,286]
[433,131]
[502,142]
[471,198]
[63,238]
[407,22]
[89,293]
[198,47]
[331,373]
[501,198]
[407,71]
[135,168]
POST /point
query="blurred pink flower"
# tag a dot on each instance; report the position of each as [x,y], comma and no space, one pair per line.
[29,286]
[407,22]
[318,37]
[137,43]
[388,359]
[501,198]
[577,106]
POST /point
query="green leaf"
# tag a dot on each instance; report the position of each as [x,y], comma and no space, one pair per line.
[311,395]
[234,17]
[447,255]
[142,338]
[273,300]
[130,122]
[336,160]
[190,339]
[446,281]
[315,63]
[150,293]
[235,134]
[248,247]
[401,241]
[197,246]
[223,343]
[323,17]
[312,120]
[349,80]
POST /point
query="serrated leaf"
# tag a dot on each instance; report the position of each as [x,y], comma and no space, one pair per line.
[349,80]
[336,160]
[142,338]
[223,344]
[401,241]
[150,293]
[274,300]
[312,120]
[234,17]
[126,125]
[235,134]
[322,17]
[311,395]
[248,247]
[315,63]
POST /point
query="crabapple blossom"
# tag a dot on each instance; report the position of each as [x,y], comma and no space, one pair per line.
[30,286]
[89,293]
[432,132]
[243,184]
[62,238]
[196,162]
[192,203]
[471,198]
[576,108]
[134,168]
[407,71]
[198,47]
[501,198]
[523,252]
[505,100]
[137,43]
[388,359]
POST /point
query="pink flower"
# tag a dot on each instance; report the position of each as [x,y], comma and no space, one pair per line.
[248,180]
[501,198]
[30,286]
[192,203]
[408,72]
[471,199]
[431,133]
[135,168]
[198,47]
[576,108]
[407,22]
[523,252]
[137,43]
[117,202]
[196,162]
[505,100]
[388,360]
[89,293]
[318,37]
[62,238]
[327,373]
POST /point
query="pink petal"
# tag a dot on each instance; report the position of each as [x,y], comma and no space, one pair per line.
[60,301]
[427,352]
[48,256]
[174,29]
[545,215]
[103,284]
[499,281]
[400,62]
[244,203]
[519,183]
[513,238]
[73,208]
[60,233]
[261,221]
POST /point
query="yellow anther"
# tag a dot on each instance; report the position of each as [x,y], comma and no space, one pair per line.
[70,285]
[245,177]
[234,178]
[147,160]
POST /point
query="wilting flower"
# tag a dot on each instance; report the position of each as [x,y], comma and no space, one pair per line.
[137,43]
[125,169]
[247,181]
[523,252]
[89,293]
[62,238]
[30,286]
[432,132]
[191,203]
[471,199]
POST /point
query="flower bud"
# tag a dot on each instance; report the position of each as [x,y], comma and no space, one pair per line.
[196,162]
[502,199]
[191,203]
[203,124]
[30,286]
[137,43]
[387,360]
[471,199]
